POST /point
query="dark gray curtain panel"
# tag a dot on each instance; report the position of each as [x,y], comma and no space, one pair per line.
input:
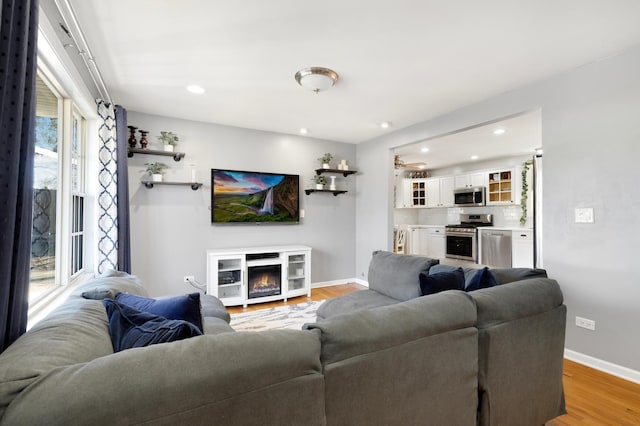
[124,237]
[18,38]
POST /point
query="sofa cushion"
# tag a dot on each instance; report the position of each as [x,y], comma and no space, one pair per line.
[369,330]
[509,275]
[483,278]
[435,283]
[185,307]
[398,275]
[130,328]
[347,303]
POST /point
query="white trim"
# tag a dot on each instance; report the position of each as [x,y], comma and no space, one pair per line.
[339,282]
[605,366]
[53,59]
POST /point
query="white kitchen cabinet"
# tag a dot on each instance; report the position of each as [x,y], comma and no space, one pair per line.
[470,180]
[440,191]
[418,240]
[436,242]
[403,193]
[522,248]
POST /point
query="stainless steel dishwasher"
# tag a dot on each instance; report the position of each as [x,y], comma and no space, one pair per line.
[496,248]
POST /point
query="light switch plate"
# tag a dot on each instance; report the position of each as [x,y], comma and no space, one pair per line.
[584,214]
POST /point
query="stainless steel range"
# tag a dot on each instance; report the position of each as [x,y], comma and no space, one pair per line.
[462,239]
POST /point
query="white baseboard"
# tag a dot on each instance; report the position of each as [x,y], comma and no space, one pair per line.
[605,366]
[339,282]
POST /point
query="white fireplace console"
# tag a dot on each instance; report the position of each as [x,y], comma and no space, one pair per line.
[240,276]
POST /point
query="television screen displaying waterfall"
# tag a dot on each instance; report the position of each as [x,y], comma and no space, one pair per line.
[254,197]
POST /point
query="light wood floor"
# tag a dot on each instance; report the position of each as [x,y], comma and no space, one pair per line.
[592,397]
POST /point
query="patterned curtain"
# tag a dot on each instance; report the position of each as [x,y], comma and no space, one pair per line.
[113,197]
[18,39]
[108,190]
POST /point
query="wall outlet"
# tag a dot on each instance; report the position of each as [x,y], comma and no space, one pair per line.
[586,323]
[188,278]
[584,215]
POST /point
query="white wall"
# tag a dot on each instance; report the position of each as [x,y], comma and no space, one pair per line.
[171,225]
[591,139]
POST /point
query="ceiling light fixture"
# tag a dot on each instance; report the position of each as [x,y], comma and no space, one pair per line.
[498,131]
[316,79]
[474,157]
[385,124]
[425,149]
[304,131]
[195,89]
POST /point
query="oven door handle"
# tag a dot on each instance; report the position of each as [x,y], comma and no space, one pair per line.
[459,234]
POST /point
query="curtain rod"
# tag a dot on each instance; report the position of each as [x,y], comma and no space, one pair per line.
[72,28]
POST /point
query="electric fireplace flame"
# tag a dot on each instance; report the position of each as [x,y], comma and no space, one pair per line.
[264,281]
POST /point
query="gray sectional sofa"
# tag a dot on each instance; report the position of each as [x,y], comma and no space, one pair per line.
[491,357]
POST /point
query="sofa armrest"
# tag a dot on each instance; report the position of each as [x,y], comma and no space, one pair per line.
[516,300]
[397,275]
[212,307]
[520,352]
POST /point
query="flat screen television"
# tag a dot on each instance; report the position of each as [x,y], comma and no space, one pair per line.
[254,197]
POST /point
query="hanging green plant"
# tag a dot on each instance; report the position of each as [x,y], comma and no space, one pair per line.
[525,191]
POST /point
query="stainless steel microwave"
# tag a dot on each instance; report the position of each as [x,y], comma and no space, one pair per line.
[465,197]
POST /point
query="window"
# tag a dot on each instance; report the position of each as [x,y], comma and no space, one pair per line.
[77,193]
[58,234]
[46,172]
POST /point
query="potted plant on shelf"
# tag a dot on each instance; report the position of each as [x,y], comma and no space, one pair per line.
[155,170]
[325,160]
[321,181]
[169,140]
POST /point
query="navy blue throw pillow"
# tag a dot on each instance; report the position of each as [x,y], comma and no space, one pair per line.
[130,328]
[441,281]
[185,307]
[484,278]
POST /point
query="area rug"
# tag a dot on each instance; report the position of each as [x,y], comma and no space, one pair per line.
[281,317]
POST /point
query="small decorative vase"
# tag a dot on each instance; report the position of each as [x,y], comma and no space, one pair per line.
[319,186]
[132,137]
[325,165]
[143,138]
[156,177]
[332,185]
[168,148]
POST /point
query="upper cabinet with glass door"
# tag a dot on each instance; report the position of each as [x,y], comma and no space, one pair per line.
[502,187]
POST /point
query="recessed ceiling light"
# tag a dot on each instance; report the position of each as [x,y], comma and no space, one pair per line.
[474,157]
[385,124]
[425,149]
[195,89]
[499,131]
[304,131]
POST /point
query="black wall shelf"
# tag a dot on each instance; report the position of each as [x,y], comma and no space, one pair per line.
[334,192]
[177,156]
[344,173]
[194,185]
